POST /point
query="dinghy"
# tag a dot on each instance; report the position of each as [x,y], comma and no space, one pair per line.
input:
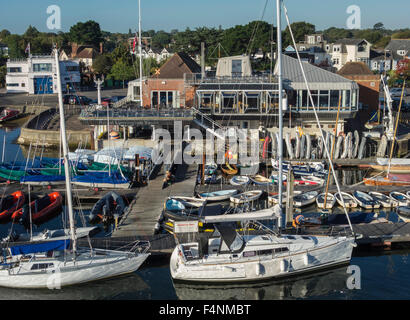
[189,202]
[41,209]
[392,180]
[43,180]
[273,198]
[404,213]
[309,180]
[218,195]
[248,196]
[111,205]
[384,200]
[10,204]
[229,169]
[400,198]
[275,177]
[102,180]
[348,199]
[239,180]
[51,235]
[365,201]
[261,180]
[330,201]
[304,199]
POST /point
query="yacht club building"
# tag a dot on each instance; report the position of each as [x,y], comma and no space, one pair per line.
[37,75]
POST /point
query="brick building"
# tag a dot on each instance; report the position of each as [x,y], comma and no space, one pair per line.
[167,88]
[369,85]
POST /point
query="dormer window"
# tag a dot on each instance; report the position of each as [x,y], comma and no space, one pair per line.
[401,52]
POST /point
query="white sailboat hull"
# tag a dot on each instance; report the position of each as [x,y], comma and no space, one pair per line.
[337,253]
[71,273]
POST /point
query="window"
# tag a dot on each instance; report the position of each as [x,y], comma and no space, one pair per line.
[12,84]
[249,253]
[278,250]
[265,252]
[42,67]
[23,85]
[71,68]
[236,68]
[41,266]
[334,98]
[401,52]
[13,69]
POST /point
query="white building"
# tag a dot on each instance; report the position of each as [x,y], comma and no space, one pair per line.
[349,50]
[37,75]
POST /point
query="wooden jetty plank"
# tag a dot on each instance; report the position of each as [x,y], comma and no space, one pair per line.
[147,207]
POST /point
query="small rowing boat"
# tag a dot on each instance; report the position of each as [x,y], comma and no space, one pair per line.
[304,199]
[273,197]
[384,200]
[400,198]
[261,180]
[348,200]
[239,180]
[218,195]
[330,201]
[365,201]
[229,169]
[248,196]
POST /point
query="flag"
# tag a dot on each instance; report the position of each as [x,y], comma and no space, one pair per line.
[134,43]
[28,49]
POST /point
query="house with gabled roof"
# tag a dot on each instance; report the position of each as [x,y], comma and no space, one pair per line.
[167,88]
[349,50]
[399,49]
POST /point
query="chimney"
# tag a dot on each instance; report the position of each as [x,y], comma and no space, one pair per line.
[74,48]
[101,48]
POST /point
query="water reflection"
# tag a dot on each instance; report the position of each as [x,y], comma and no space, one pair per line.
[116,288]
[319,285]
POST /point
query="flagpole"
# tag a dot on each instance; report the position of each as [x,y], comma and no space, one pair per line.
[140,46]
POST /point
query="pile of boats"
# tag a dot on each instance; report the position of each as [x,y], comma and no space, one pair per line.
[107,172]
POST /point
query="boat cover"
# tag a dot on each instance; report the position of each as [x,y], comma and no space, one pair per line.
[40,247]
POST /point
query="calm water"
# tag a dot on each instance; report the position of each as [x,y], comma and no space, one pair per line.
[382,276]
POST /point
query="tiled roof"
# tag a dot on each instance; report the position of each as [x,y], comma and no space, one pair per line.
[355,68]
[398,44]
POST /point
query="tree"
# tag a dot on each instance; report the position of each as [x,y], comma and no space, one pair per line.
[86,33]
[4,33]
[378,26]
[121,71]
[31,33]
[15,44]
[3,72]
[161,39]
[299,29]
[102,64]
[405,34]
[383,42]
[333,34]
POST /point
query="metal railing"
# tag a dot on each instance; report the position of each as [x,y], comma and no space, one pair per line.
[196,78]
[137,113]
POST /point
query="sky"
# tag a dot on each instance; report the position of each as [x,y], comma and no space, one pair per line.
[122,15]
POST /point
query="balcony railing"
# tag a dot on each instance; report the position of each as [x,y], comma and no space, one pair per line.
[136,113]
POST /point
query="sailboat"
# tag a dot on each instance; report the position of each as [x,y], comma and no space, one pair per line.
[228,257]
[55,264]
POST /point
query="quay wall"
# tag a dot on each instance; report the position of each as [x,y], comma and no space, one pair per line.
[51,139]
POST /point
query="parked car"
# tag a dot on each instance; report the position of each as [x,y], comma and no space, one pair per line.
[396,92]
[76,100]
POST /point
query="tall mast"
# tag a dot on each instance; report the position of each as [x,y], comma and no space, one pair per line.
[140,46]
[65,155]
[279,62]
